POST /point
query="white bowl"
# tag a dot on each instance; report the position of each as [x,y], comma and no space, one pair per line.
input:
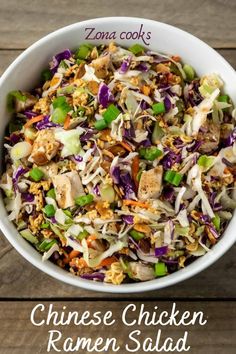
[24,73]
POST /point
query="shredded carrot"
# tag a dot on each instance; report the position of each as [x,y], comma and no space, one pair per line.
[82,262]
[176,58]
[28,140]
[108,261]
[67,122]
[33,120]
[73,254]
[135,169]
[133,202]
[126,146]
[90,239]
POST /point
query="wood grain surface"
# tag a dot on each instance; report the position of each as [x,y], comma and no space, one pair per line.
[217,336]
[23,22]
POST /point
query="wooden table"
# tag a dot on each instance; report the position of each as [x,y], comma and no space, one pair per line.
[21,285]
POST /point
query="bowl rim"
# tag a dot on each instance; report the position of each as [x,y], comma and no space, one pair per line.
[53,270]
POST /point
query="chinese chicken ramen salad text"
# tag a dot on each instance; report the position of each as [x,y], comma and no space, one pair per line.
[120,166]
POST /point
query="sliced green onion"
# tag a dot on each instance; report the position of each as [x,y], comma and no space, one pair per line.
[49,210]
[61,108]
[157,133]
[12,96]
[189,71]
[46,75]
[84,200]
[223,98]
[160,269]
[36,174]
[67,213]
[158,108]
[83,51]
[200,230]
[205,161]
[150,154]
[173,177]
[27,234]
[175,254]
[136,49]
[80,61]
[51,193]
[45,225]
[100,124]
[82,235]
[206,90]
[46,245]
[111,113]
[67,90]
[136,235]
[182,231]
[216,222]
[14,126]
[107,193]
[63,65]
[139,175]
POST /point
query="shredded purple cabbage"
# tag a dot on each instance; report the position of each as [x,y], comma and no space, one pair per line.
[104,95]
[194,147]
[144,105]
[14,138]
[19,172]
[96,190]
[145,143]
[125,65]
[227,162]
[115,173]
[78,158]
[170,159]
[66,54]
[93,276]
[27,197]
[30,114]
[231,139]
[45,123]
[129,133]
[142,67]
[128,186]
[87,135]
[167,104]
[128,219]
[168,193]
[194,97]
[161,251]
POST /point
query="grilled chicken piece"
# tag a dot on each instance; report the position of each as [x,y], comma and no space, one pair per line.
[67,186]
[210,137]
[44,148]
[50,169]
[21,106]
[101,65]
[150,183]
[141,271]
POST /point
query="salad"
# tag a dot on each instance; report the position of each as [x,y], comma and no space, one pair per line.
[120,165]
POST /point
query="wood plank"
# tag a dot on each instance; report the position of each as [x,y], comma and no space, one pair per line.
[7,57]
[205,18]
[19,336]
[19,279]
